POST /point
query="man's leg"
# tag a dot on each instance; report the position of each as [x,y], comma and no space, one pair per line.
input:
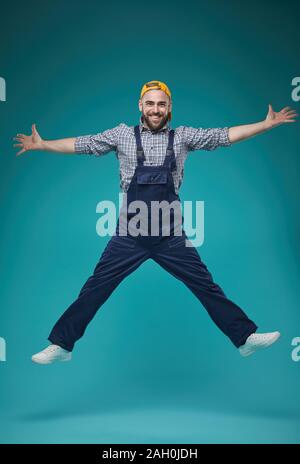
[121,256]
[186,265]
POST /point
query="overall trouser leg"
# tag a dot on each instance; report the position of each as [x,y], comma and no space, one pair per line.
[186,265]
[120,258]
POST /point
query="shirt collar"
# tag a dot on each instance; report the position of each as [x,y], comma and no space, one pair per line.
[144,128]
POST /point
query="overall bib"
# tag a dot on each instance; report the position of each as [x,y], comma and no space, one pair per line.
[131,246]
[152,185]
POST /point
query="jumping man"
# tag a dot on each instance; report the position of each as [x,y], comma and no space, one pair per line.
[152,157]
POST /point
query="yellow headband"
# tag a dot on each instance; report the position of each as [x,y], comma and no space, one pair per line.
[156,85]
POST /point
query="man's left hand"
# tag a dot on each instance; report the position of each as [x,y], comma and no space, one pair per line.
[274,119]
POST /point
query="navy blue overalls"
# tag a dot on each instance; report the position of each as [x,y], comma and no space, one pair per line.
[124,253]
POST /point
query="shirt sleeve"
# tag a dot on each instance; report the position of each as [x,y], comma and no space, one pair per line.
[206,139]
[98,144]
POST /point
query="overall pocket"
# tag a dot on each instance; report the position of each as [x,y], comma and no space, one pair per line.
[152,178]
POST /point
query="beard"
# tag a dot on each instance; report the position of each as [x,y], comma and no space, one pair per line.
[155,127]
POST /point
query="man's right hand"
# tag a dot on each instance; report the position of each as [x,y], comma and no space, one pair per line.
[29,142]
[35,142]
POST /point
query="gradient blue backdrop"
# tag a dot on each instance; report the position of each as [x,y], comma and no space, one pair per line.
[152,367]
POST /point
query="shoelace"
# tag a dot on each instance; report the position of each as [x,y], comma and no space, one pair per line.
[49,349]
[259,337]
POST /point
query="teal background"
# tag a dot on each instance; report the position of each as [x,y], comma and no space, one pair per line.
[152,367]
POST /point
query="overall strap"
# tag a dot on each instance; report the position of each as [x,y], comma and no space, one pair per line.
[139,148]
[170,160]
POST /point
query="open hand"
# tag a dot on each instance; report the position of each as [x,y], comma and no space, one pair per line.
[287,114]
[29,142]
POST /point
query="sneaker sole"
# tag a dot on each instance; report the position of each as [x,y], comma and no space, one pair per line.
[250,350]
[39,361]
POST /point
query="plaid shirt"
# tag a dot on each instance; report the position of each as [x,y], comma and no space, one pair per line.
[121,139]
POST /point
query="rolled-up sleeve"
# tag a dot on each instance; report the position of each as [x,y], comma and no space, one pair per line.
[206,139]
[98,144]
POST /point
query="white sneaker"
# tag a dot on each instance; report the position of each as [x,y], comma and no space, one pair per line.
[50,354]
[257,341]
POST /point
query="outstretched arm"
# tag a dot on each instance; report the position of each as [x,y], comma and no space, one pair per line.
[273,119]
[35,142]
[97,144]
